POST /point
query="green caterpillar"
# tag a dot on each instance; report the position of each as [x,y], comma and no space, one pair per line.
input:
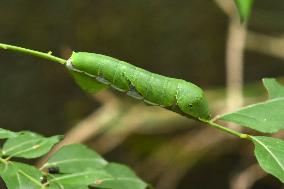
[174,94]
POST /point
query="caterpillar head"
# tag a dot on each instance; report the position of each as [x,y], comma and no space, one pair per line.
[191,101]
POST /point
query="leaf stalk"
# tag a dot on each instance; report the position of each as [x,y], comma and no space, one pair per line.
[31,52]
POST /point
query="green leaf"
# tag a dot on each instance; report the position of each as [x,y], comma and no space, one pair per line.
[3,167]
[66,186]
[75,158]
[7,134]
[87,83]
[29,145]
[83,178]
[270,155]
[79,166]
[268,116]
[244,8]
[122,178]
[274,89]
[21,176]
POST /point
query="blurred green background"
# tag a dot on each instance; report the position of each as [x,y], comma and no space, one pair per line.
[183,39]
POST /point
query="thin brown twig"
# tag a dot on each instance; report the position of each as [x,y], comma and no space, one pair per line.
[234,58]
[175,157]
[265,44]
[139,115]
[234,63]
[247,177]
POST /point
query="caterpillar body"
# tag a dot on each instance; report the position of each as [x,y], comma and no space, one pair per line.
[174,94]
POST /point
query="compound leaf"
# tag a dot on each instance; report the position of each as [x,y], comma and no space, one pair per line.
[79,166]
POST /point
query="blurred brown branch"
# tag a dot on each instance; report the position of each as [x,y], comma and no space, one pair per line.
[234,63]
[235,48]
[262,43]
[130,123]
[265,44]
[247,177]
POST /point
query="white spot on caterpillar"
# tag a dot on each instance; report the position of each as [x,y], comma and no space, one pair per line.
[70,66]
[119,89]
[102,80]
[177,95]
[151,103]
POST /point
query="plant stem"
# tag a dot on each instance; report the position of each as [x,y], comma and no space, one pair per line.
[46,56]
[225,129]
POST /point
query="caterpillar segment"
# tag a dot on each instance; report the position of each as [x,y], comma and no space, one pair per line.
[174,94]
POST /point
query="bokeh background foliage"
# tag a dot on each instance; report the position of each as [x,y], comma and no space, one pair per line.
[184,39]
